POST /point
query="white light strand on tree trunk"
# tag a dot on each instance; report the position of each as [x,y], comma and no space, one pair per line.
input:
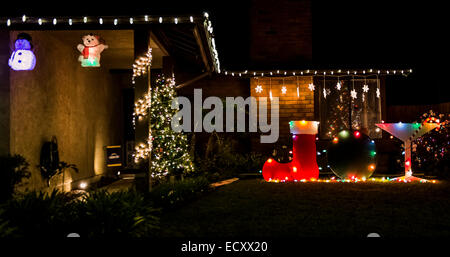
[141,65]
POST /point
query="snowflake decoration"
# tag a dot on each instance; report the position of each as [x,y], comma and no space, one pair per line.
[338,85]
[283,90]
[366,88]
[324,93]
[378,93]
[353,94]
[311,87]
[258,89]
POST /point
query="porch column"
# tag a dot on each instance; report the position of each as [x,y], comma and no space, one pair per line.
[142,86]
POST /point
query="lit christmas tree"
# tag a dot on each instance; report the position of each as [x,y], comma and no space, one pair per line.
[170,153]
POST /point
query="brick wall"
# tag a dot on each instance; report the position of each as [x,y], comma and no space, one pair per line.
[410,113]
[292,106]
[281,33]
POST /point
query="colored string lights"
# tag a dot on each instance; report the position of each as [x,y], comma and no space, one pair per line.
[352,180]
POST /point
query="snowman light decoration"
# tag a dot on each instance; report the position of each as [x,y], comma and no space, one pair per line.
[22,58]
[92,47]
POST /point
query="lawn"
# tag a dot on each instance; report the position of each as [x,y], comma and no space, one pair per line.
[254,208]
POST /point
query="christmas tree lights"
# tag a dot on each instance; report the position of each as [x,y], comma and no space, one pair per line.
[168,149]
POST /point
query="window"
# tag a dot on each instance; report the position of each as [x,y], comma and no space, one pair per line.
[338,110]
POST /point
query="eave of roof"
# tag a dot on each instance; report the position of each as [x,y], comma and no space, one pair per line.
[204,32]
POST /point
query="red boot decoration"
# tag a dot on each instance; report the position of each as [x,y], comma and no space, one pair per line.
[303,164]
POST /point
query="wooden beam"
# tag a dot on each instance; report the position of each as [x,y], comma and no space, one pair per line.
[155,39]
[193,80]
[202,49]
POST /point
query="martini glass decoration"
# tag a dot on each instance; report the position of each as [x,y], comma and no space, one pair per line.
[408,132]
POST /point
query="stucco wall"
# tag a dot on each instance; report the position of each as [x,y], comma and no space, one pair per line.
[82,107]
[4,92]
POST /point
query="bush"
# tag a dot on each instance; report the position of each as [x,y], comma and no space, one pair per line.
[169,195]
[6,230]
[431,152]
[13,169]
[97,215]
[119,214]
[226,161]
[39,214]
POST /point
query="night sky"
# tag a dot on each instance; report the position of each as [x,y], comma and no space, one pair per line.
[346,34]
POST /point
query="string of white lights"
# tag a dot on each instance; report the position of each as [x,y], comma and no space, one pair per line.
[117,21]
[101,20]
[328,73]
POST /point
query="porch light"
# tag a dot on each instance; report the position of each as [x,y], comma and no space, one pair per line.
[83,185]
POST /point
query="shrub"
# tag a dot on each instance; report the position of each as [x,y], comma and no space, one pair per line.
[60,168]
[13,169]
[95,215]
[39,214]
[5,229]
[119,214]
[431,152]
[169,195]
[225,159]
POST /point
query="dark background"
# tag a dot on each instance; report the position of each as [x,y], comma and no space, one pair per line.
[345,34]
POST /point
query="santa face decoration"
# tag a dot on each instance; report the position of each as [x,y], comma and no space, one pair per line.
[22,58]
[91,50]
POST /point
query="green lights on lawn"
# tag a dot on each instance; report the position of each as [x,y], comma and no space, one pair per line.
[343,133]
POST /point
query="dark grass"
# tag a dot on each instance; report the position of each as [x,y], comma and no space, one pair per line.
[254,208]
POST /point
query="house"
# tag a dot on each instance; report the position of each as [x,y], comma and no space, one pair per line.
[88,110]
